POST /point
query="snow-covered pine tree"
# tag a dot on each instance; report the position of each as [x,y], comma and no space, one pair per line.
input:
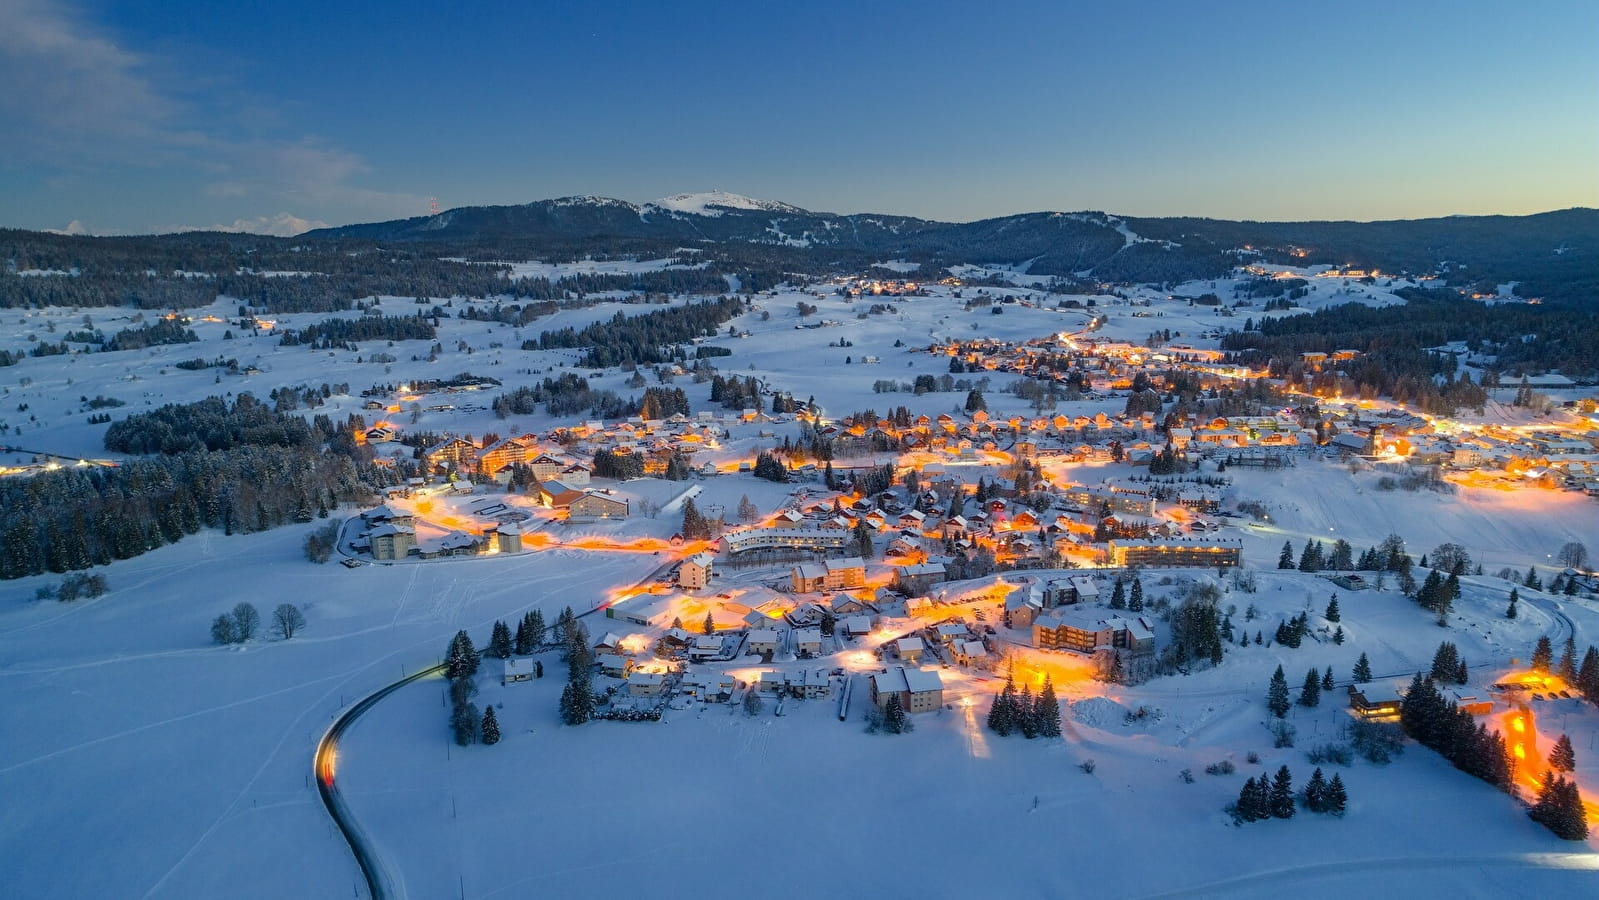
[1277,694]
[1310,692]
[1567,669]
[1362,673]
[1282,794]
[1542,655]
[1336,799]
[1027,713]
[1332,614]
[1316,792]
[490,728]
[1562,758]
[1048,710]
[500,641]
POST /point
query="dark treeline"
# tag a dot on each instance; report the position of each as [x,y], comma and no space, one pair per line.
[563,396]
[641,339]
[345,332]
[238,468]
[210,424]
[164,331]
[1393,342]
[74,518]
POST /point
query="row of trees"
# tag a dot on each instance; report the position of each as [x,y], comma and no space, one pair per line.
[242,624]
[1032,716]
[1273,798]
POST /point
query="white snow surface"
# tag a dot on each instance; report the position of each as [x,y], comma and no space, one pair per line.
[142,761]
[713,203]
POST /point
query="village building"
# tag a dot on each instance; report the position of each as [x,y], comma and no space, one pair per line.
[761,641]
[613,664]
[918,579]
[455,454]
[505,537]
[910,649]
[517,668]
[808,643]
[1086,629]
[1376,700]
[695,572]
[1177,552]
[390,541]
[796,539]
[645,684]
[919,690]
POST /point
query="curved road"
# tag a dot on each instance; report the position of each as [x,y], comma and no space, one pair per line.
[325,763]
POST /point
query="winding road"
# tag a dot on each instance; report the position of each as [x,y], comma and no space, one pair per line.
[325,764]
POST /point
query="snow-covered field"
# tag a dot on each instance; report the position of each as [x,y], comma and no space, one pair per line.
[142,761]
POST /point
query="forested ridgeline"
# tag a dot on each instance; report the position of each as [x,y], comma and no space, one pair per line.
[641,339]
[1393,342]
[238,468]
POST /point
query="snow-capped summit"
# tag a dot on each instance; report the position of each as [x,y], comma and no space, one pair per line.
[713,203]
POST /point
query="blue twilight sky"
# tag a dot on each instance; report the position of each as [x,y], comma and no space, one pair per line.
[128,117]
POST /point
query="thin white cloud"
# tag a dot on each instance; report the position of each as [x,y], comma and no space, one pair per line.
[281,225]
[75,99]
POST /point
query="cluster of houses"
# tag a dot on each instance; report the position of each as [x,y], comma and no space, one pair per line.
[389,533]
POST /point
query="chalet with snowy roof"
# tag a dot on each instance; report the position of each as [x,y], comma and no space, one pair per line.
[613,664]
[517,668]
[458,543]
[386,513]
[808,642]
[1086,629]
[910,649]
[856,626]
[969,652]
[761,641]
[1376,700]
[708,687]
[644,684]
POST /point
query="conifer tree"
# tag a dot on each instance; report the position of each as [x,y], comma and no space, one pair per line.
[1332,614]
[1282,794]
[1362,673]
[1027,713]
[1048,710]
[500,641]
[1310,558]
[1118,596]
[1247,807]
[490,729]
[1335,800]
[1542,655]
[463,723]
[536,629]
[1338,635]
[894,720]
[1327,682]
[1316,792]
[1588,676]
[1136,601]
[1277,694]
[1532,580]
[1462,674]
[1559,808]
[1510,610]
[461,659]
[1002,715]
[520,643]
[1444,662]
[1563,758]
[1286,559]
[1310,692]
[1568,660]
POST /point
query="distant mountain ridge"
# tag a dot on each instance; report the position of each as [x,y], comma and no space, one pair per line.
[1556,250]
